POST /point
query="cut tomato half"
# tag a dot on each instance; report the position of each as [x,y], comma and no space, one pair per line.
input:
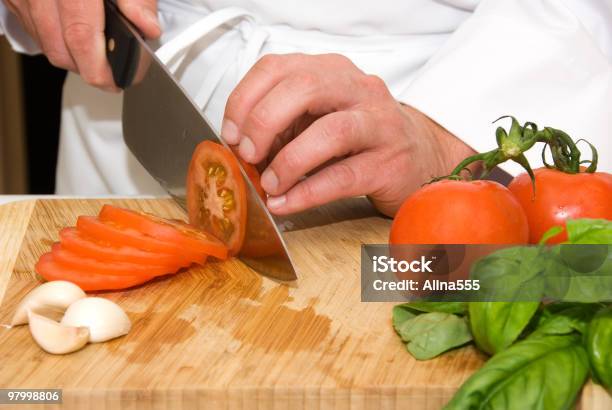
[173,231]
[50,270]
[116,235]
[216,194]
[88,247]
[73,260]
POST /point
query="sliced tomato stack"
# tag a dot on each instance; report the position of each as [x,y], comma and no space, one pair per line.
[122,248]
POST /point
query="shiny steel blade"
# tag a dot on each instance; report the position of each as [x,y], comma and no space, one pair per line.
[162,126]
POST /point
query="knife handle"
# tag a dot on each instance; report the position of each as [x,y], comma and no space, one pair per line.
[122,48]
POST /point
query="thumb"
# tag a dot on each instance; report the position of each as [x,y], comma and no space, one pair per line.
[143,13]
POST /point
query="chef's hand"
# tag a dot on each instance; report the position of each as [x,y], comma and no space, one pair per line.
[323,117]
[71,32]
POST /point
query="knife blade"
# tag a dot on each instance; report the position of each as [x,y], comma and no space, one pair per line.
[162,126]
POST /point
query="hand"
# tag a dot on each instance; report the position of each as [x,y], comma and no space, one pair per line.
[71,32]
[323,118]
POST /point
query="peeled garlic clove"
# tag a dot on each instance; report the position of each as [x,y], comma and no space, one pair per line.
[54,295]
[55,338]
[104,319]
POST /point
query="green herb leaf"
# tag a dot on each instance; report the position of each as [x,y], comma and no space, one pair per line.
[459,308]
[554,231]
[430,334]
[512,274]
[496,325]
[587,258]
[541,373]
[565,318]
[402,313]
[582,273]
[599,347]
[589,231]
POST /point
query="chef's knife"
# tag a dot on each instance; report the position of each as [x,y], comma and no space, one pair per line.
[162,126]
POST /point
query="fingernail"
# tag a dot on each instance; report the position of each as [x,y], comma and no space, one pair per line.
[247,149]
[229,132]
[150,16]
[276,201]
[269,180]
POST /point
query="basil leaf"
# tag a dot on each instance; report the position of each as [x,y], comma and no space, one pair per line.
[445,307]
[402,313]
[430,334]
[512,274]
[599,346]
[542,373]
[565,318]
[554,231]
[496,325]
[589,231]
[583,273]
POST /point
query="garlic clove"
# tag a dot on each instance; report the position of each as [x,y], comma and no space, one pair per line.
[54,295]
[56,338]
[104,318]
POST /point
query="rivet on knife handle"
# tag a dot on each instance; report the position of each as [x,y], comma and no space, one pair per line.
[122,49]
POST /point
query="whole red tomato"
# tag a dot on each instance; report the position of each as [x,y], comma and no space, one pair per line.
[561,196]
[460,212]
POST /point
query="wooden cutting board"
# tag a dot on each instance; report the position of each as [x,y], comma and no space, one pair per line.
[224,337]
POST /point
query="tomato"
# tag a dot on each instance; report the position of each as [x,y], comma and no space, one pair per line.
[251,172]
[88,247]
[560,196]
[112,233]
[174,231]
[75,261]
[254,176]
[216,194]
[260,241]
[50,270]
[460,212]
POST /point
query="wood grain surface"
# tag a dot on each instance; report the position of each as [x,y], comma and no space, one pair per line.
[223,337]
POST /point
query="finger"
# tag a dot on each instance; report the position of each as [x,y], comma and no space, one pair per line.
[45,16]
[260,79]
[332,136]
[347,178]
[311,92]
[12,6]
[22,11]
[143,13]
[83,31]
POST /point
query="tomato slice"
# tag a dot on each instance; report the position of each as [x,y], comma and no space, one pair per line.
[88,247]
[216,194]
[49,269]
[73,260]
[174,231]
[117,236]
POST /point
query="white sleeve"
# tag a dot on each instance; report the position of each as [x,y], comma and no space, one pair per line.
[546,61]
[19,39]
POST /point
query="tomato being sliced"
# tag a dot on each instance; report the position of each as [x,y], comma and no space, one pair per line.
[173,231]
[254,177]
[216,194]
[251,172]
[73,260]
[560,196]
[117,236]
[88,247]
[49,269]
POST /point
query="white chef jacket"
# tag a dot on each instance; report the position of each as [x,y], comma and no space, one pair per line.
[463,63]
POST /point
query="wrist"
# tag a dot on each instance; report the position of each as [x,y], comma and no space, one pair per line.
[446,151]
